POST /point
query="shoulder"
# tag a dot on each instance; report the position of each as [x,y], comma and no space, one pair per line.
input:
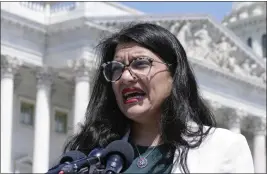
[222,137]
[230,150]
[218,137]
[224,141]
[221,151]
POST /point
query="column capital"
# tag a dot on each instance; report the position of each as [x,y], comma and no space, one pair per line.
[235,117]
[241,113]
[44,77]
[82,68]
[9,66]
[259,126]
[215,105]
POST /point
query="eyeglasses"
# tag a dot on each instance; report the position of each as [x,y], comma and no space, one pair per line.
[140,67]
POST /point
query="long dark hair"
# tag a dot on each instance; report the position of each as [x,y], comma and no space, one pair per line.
[106,123]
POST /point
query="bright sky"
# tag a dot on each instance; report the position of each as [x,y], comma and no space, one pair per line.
[216,9]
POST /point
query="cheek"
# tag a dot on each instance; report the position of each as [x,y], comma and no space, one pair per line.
[115,88]
[160,87]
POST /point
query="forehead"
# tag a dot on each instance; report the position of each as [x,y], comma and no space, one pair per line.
[129,50]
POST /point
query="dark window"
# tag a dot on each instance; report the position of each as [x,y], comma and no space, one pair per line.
[263,43]
[249,42]
[26,113]
[61,122]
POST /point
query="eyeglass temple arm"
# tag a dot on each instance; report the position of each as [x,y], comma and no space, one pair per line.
[162,62]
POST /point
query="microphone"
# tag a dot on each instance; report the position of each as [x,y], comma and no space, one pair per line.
[66,159]
[114,164]
[120,158]
[98,168]
[118,155]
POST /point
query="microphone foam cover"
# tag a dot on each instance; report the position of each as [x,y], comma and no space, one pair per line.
[122,147]
[72,156]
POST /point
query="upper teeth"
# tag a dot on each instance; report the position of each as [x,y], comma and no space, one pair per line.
[128,93]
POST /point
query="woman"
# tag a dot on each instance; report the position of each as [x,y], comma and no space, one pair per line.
[145,86]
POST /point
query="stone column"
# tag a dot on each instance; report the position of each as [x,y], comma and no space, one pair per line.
[256,44]
[259,145]
[218,111]
[239,116]
[234,119]
[9,67]
[81,68]
[42,121]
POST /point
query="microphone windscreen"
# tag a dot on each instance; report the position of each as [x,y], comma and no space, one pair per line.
[72,156]
[122,147]
[95,152]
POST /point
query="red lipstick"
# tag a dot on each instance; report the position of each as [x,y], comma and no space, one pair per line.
[132,95]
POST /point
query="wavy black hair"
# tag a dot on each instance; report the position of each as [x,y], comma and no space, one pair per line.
[105,122]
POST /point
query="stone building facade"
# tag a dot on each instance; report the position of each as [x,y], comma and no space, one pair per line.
[48,60]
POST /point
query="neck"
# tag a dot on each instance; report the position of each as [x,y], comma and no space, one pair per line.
[146,134]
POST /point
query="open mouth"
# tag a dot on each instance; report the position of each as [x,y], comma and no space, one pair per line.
[132,95]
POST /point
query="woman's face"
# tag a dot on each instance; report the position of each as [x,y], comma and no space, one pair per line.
[139,96]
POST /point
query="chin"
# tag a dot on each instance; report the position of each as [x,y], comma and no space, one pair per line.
[135,112]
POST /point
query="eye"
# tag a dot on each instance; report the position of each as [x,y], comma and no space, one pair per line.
[113,70]
[140,63]
[116,67]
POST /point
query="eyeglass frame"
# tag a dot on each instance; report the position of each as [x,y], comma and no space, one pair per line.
[151,60]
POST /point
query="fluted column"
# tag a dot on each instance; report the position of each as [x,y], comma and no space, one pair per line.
[42,121]
[234,119]
[259,145]
[81,68]
[9,67]
[218,111]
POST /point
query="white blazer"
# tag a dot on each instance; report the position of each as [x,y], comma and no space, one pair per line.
[222,151]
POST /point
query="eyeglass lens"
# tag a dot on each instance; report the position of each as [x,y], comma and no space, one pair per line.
[114,70]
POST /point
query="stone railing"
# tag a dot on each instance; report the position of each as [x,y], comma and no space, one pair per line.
[35,6]
[55,7]
[245,12]
[63,6]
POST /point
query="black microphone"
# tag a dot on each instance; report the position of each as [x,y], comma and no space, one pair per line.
[120,158]
[120,148]
[66,159]
[98,168]
[114,164]
[118,155]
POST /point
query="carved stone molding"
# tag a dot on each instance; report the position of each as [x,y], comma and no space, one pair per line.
[22,23]
[241,113]
[259,126]
[245,14]
[234,118]
[9,66]
[82,69]
[44,77]
[233,121]
[256,125]
[209,44]
[200,44]
[214,105]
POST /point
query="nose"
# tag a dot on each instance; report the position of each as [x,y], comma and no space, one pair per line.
[127,76]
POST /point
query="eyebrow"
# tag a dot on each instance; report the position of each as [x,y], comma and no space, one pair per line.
[134,56]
